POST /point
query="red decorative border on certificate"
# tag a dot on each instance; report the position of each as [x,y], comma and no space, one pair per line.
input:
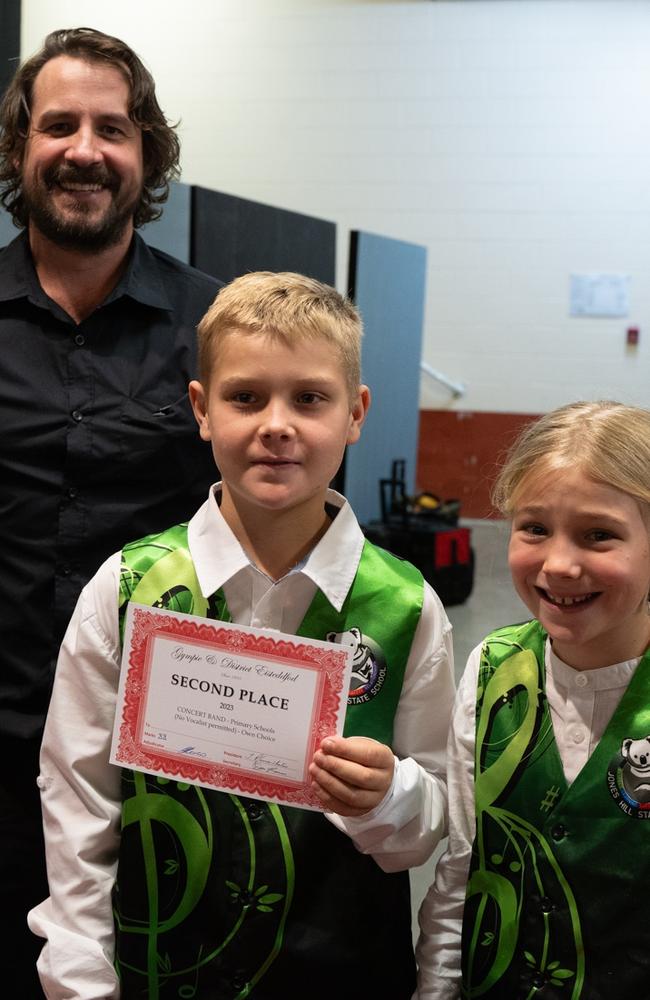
[329,666]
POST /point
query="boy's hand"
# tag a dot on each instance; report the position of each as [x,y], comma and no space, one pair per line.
[351,776]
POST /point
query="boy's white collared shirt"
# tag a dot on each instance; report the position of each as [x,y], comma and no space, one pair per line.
[80,791]
[254,599]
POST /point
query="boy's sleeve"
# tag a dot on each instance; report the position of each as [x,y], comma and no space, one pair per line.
[403,830]
[80,796]
[441,913]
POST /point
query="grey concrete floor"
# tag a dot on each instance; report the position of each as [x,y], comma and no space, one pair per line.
[492,603]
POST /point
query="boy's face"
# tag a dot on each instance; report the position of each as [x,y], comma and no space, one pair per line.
[279,419]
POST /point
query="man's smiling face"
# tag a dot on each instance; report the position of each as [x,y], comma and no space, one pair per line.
[82,168]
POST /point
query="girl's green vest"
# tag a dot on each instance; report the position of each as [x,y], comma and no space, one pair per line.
[221,897]
[554,905]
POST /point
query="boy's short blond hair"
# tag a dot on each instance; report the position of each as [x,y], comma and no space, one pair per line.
[605,440]
[287,307]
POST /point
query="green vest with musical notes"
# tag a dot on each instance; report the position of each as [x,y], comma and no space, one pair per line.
[554,906]
[221,897]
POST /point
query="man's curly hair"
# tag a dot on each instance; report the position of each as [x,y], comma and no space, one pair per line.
[160,145]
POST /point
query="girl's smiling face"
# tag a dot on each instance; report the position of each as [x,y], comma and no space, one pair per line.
[579,555]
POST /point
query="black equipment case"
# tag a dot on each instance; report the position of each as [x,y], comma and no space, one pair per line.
[425,531]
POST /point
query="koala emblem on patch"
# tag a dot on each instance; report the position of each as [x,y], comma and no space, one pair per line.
[368,666]
[636,767]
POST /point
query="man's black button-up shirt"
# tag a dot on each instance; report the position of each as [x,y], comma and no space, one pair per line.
[98,446]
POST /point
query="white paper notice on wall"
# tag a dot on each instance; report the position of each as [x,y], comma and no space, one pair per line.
[600,295]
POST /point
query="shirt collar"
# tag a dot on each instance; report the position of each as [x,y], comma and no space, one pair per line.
[331,565]
[17,275]
[141,280]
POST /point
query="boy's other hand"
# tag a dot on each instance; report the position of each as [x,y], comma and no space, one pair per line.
[351,776]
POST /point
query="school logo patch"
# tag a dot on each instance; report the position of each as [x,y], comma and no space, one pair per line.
[368,665]
[628,778]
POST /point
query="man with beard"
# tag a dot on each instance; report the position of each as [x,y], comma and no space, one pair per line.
[97,345]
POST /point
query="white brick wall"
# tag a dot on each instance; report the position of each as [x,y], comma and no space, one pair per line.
[511,137]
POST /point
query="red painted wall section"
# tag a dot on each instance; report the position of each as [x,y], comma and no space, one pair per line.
[459,454]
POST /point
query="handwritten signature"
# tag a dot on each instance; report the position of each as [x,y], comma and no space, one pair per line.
[269,765]
[259,761]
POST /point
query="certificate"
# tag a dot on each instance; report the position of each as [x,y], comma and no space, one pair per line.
[227,707]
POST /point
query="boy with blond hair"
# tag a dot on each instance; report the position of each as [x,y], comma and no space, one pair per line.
[161,889]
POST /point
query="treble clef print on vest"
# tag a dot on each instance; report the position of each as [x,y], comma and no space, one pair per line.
[221,896]
[550,912]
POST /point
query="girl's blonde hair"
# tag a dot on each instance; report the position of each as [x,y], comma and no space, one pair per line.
[607,441]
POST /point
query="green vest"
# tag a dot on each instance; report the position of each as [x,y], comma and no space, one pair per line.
[554,905]
[221,897]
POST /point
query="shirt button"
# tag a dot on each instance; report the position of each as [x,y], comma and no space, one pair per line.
[72,492]
[538,981]
[578,736]
[80,340]
[558,832]
[77,415]
[66,569]
[546,904]
[582,680]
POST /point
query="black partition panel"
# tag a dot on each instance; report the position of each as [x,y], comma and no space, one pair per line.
[231,236]
[387,283]
[9,40]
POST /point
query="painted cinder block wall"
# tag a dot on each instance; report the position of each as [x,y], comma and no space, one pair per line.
[509,137]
